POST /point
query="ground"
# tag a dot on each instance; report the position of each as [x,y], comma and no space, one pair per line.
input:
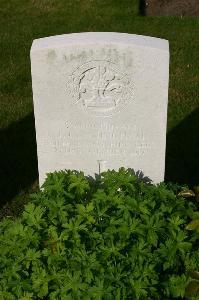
[172,7]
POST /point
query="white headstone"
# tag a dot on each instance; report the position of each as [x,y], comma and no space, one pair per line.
[100,102]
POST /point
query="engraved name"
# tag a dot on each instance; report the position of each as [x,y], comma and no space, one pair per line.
[110,141]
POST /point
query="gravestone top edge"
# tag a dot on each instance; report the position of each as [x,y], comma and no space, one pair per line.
[71,39]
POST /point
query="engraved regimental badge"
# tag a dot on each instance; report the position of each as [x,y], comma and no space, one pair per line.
[100,88]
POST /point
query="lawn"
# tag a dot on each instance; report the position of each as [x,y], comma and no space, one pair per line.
[22,21]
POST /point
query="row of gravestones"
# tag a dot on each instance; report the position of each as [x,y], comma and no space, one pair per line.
[100,102]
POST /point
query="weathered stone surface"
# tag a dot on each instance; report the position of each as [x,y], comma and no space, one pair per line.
[100,102]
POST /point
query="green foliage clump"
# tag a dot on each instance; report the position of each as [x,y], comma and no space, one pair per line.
[114,237]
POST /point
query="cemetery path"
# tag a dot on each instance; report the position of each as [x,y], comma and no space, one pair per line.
[171,7]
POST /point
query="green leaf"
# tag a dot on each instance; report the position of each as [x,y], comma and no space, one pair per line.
[27,296]
[33,215]
[177,285]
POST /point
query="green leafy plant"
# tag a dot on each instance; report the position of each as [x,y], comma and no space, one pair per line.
[115,237]
[192,289]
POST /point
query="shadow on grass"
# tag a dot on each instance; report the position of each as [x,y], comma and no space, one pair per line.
[18,158]
[142,8]
[182,155]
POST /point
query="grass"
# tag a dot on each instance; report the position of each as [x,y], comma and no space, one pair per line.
[21,21]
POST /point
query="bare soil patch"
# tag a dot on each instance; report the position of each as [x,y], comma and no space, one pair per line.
[171,7]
